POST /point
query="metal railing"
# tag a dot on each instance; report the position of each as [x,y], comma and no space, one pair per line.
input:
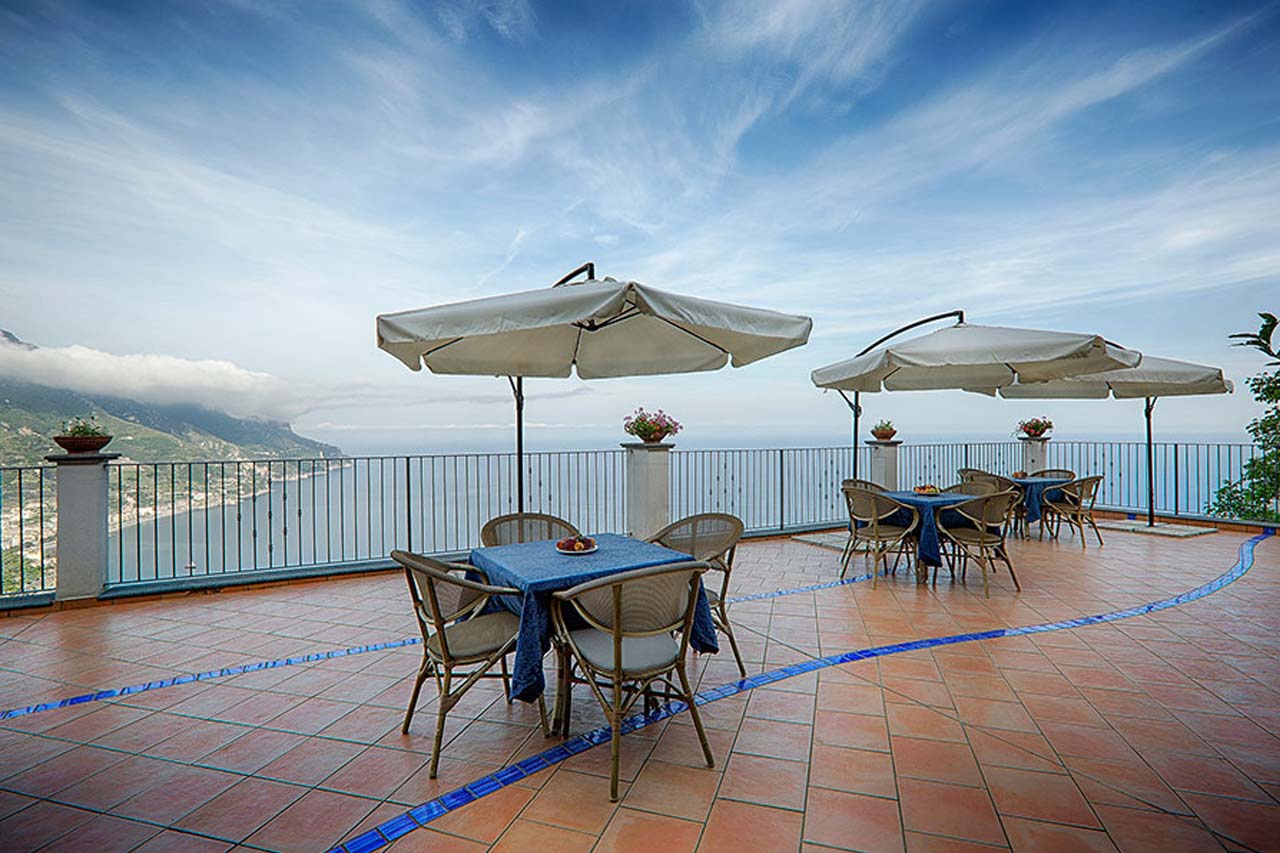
[28,528]
[172,521]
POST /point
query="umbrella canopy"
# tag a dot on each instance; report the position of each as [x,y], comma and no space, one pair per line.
[601,328]
[1153,378]
[971,356]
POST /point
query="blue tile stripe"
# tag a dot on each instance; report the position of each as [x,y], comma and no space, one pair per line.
[381,835]
[225,672]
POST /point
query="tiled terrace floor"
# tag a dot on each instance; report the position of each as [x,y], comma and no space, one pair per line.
[1157,732]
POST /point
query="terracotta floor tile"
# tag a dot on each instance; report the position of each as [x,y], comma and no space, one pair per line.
[240,810]
[919,842]
[858,731]
[118,783]
[853,821]
[773,739]
[781,705]
[850,698]
[674,789]
[311,761]
[525,835]
[1253,824]
[487,818]
[578,801]
[989,714]
[105,834]
[765,781]
[169,841]
[317,821]
[1203,775]
[939,761]
[860,771]
[63,771]
[734,827]
[181,791]
[376,772]
[196,742]
[39,824]
[915,721]
[952,810]
[1014,749]
[1120,783]
[1145,831]
[251,751]
[1039,837]
[631,830]
[1039,796]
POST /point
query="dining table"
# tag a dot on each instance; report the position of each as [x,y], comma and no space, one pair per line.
[929,541]
[537,569]
[1034,492]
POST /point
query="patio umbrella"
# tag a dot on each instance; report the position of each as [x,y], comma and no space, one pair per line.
[968,356]
[600,328]
[1152,379]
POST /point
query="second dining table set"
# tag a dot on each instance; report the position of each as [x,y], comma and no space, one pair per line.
[969,520]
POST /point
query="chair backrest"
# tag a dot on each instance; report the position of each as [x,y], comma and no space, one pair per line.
[989,511]
[441,592]
[524,527]
[1064,473]
[1083,491]
[1002,483]
[969,474]
[973,487]
[641,602]
[869,507]
[710,537]
[863,484]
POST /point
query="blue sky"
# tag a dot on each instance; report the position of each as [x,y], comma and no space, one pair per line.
[212,201]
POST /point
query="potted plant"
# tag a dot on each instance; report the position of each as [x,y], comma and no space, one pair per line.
[884,430]
[82,435]
[650,427]
[1035,427]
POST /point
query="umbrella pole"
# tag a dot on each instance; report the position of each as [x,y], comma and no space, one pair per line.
[855,406]
[517,390]
[1151,465]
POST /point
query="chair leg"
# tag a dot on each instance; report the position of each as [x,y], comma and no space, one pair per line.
[727,630]
[441,711]
[1005,556]
[982,564]
[423,671]
[1096,532]
[846,556]
[506,679]
[542,717]
[693,712]
[615,747]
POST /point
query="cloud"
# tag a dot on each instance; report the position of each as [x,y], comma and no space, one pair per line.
[155,379]
[512,19]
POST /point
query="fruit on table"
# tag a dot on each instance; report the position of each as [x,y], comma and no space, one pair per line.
[927,489]
[576,543]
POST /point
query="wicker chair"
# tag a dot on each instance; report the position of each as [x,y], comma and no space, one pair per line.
[863,484]
[447,606]
[973,487]
[989,515]
[629,648]
[1075,507]
[711,538]
[968,474]
[1064,473]
[869,512]
[1018,518]
[524,527]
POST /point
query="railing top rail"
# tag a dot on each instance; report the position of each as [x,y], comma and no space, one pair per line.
[399,457]
[5,469]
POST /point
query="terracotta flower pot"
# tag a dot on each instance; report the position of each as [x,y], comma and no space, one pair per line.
[655,439]
[884,434]
[82,443]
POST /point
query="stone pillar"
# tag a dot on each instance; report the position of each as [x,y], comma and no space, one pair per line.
[884,463]
[82,523]
[648,487]
[1034,453]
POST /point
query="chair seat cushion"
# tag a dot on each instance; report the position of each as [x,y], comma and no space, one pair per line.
[639,654]
[478,637]
[886,531]
[973,536]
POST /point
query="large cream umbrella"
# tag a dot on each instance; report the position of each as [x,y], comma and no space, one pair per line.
[968,356]
[600,328]
[1150,380]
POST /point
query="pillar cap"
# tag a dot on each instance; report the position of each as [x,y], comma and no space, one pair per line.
[645,445]
[890,443]
[1034,437]
[81,458]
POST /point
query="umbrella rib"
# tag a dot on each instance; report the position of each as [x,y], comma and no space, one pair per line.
[435,350]
[695,335]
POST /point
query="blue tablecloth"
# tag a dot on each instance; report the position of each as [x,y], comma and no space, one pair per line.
[929,551]
[1034,492]
[537,570]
